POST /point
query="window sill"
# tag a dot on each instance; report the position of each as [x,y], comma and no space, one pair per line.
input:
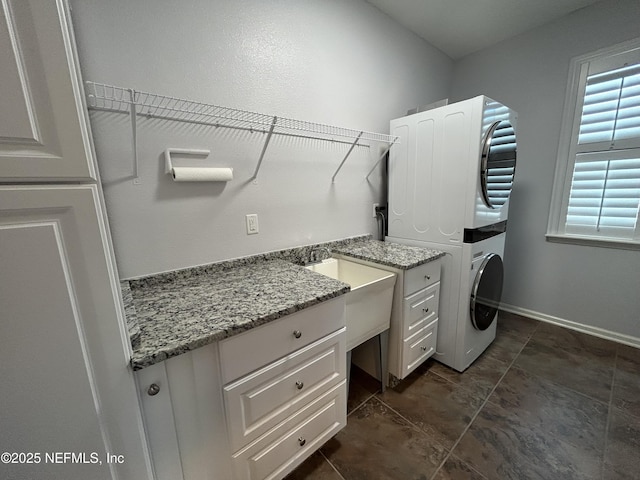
[593,242]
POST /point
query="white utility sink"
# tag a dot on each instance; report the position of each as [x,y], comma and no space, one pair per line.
[369,301]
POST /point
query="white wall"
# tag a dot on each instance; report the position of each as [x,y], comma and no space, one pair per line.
[330,61]
[595,287]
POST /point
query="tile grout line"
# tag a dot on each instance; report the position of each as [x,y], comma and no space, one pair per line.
[331,464]
[609,412]
[362,403]
[471,390]
[400,415]
[421,431]
[486,400]
[457,385]
[335,469]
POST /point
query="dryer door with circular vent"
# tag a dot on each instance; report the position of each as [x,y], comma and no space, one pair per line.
[486,292]
[498,163]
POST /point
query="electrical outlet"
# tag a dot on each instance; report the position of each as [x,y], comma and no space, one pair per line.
[375,205]
[252,224]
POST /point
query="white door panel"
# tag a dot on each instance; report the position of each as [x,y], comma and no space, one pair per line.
[46,385]
[66,386]
[43,131]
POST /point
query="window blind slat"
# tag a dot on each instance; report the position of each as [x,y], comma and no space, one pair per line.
[628,71]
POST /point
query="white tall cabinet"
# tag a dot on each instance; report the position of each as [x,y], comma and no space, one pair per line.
[65,383]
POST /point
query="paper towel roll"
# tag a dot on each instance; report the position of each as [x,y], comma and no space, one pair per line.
[202,174]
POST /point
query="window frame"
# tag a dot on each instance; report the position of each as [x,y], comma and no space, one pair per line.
[568,148]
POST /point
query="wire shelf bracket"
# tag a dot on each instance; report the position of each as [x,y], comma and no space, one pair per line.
[134,136]
[264,148]
[353,145]
[125,100]
[384,153]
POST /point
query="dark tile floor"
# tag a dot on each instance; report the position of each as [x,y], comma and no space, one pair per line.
[542,402]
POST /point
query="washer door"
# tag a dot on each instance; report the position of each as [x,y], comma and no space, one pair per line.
[486,292]
[498,163]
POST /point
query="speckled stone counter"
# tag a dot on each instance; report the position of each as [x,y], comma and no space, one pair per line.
[130,312]
[174,312]
[185,310]
[403,257]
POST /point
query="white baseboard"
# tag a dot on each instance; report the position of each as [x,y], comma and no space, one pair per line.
[588,329]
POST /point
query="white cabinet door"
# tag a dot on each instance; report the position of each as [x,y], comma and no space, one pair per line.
[65,383]
[160,423]
[43,130]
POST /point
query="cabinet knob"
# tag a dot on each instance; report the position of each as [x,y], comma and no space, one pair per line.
[299,385]
[297,333]
[427,277]
[153,389]
[301,441]
[424,348]
[425,310]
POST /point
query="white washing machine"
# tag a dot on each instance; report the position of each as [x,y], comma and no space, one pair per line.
[450,178]
[470,290]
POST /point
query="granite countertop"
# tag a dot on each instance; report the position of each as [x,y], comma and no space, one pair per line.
[403,257]
[130,312]
[169,314]
[182,312]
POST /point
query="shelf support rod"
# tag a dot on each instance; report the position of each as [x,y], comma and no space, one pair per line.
[134,135]
[264,147]
[386,150]
[353,145]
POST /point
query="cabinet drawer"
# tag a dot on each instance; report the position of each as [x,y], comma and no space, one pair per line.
[419,347]
[268,396]
[422,276]
[420,309]
[248,351]
[284,448]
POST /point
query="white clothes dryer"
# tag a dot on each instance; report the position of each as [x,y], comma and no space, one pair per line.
[470,290]
[451,170]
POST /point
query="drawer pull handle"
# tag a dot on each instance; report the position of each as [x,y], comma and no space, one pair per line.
[297,333]
[153,390]
[424,348]
[425,310]
[299,385]
[301,441]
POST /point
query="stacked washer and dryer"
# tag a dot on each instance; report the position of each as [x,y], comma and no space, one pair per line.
[450,177]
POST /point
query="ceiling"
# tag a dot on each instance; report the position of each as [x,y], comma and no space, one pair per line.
[461,27]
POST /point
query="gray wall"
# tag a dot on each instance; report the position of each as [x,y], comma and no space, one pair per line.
[598,288]
[342,63]
[327,61]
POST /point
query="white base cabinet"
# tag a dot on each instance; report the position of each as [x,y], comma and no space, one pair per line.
[414,320]
[253,406]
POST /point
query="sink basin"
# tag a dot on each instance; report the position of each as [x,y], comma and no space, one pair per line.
[369,301]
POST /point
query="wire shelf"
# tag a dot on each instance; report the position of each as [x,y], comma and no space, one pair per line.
[124,100]
[118,99]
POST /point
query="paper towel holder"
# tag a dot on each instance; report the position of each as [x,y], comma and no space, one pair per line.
[195,174]
[168,166]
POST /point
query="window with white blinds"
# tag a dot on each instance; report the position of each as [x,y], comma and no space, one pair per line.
[611,107]
[600,196]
